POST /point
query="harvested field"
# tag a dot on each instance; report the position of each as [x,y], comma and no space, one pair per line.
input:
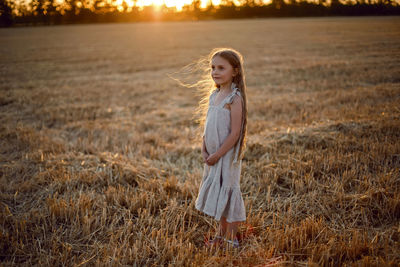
[100,159]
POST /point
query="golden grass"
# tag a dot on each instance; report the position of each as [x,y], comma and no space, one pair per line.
[100,157]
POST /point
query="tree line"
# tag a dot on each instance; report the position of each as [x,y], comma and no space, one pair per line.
[48,12]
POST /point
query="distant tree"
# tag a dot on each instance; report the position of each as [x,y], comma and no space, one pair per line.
[322,2]
[192,10]
[249,3]
[51,8]
[97,5]
[6,17]
[89,11]
[38,7]
[38,10]
[386,2]
[210,7]
[278,4]
[227,3]
[73,8]
[50,12]
[124,6]
[196,5]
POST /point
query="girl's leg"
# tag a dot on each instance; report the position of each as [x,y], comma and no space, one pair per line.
[221,232]
[222,226]
[231,230]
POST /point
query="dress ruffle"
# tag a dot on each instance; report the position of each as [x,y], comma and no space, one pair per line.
[229,200]
[231,205]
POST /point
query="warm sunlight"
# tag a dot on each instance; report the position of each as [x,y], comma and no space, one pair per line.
[141,3]
[169,3]
[180,3]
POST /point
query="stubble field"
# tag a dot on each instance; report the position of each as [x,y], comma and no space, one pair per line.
[100,159]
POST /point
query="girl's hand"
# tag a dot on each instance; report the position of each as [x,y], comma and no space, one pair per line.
[205,156]
[212,159]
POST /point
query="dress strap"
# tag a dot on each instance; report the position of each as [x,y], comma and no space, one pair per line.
[229,98]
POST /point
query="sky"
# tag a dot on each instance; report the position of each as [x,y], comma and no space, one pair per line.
[169,3]
[140,3]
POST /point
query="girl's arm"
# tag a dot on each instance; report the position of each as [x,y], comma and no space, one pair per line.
[232,138]
[204,148]
[204,151]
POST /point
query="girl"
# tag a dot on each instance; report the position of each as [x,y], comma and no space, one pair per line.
[223,145]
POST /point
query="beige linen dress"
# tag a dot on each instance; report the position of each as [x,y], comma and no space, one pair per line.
[219,193]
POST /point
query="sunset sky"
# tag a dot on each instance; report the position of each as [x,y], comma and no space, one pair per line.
[140,3]
[170,3]
[177,3]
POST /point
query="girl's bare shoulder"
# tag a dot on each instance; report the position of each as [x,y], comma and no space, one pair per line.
[236,102]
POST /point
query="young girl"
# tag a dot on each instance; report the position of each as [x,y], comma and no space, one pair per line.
[223,145]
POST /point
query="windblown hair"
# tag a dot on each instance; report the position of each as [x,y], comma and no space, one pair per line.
[206,85]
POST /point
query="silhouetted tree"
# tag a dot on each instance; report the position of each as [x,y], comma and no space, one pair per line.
[73,8]
[210,9]
[50,12]
[38,10]
[124,6]
[278,4]
[6,17]
[249,3]
[227,3]
[91,11]
[97,5]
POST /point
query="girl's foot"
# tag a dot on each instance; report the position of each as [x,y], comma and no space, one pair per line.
[216,241]
[234,243]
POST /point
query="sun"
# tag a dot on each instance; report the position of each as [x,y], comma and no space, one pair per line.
[169,3]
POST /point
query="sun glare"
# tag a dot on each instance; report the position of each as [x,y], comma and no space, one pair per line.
[169,3]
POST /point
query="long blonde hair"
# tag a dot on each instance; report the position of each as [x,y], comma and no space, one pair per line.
[206,85]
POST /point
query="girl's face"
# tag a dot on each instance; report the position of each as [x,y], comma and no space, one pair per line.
[222,71]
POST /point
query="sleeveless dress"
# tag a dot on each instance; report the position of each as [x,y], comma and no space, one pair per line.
[219,193]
